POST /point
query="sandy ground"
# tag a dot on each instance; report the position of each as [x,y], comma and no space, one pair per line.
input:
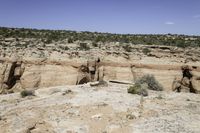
[99,110]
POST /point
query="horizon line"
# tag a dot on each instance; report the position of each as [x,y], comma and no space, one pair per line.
[100,32]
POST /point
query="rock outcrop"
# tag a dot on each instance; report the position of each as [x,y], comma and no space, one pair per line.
[38,66]
[10,76]
[188,82]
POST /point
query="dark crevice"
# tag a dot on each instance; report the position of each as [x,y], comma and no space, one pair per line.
[192,90]
[83,81]
[186,82]
[92,72]
[194,67]
[187,73]
[12,79]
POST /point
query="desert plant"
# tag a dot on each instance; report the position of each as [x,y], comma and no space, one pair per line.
[48,40]
[138,89]
[70,40]
[66,48]
[26,93]
[146,51]
[84,46]
[94,44]
[56,35]
[127,48]
[152,83]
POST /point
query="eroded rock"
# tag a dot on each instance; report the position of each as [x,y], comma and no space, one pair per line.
[188,83]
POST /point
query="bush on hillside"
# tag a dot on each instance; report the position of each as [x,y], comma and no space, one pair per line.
[84,46]
[127,48]
[146,51]
[139,89]
[152,83]
[26,93]
[70,40]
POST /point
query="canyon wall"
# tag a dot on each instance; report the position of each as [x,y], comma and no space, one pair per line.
[31,72]
[38,65]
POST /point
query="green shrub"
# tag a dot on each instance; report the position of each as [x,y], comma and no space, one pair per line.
[146,51]
[70,40]
[56,35]
[127,48]
[138,89]
[152,83]
[66,48]
[26,93]
[48,40]
[94,44]
[84,46]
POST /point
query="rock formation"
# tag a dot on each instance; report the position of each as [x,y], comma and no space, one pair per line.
[10,76]
[188,82]
[41,65]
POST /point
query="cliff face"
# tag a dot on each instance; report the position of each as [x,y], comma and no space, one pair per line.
[37,67]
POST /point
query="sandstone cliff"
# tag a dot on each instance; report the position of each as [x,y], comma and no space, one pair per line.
[38,66]
[31,59]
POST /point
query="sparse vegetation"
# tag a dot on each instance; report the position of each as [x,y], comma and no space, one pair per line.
[142,84]
[138,89]
[26,93]
[84,46]
[48,41]
[59,35]
[70,40]
[127,48]
[146,51]
[152,83]
[94,44]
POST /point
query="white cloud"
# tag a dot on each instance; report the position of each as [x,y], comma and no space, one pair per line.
[169,23]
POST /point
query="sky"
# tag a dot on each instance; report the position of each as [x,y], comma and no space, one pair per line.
[114,16]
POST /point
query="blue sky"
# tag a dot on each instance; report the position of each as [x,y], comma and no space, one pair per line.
[115,16]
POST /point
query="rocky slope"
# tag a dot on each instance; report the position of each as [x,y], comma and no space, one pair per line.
[110,109]
[45,66]
[59,73]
